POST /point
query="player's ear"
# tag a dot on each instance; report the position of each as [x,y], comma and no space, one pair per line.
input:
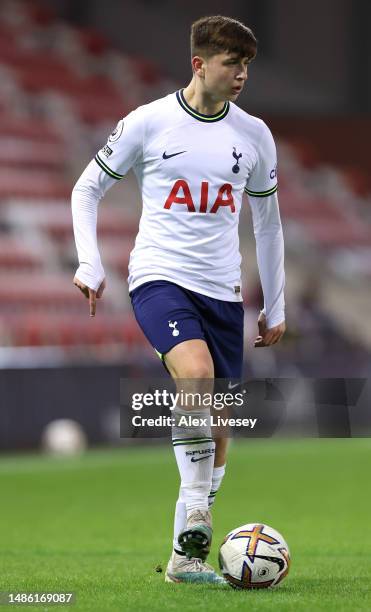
[198,66]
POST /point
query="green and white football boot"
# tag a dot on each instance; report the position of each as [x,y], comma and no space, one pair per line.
[181,569]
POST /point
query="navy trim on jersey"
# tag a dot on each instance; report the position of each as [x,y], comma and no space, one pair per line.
[261,194]
[196,115]
[108,170]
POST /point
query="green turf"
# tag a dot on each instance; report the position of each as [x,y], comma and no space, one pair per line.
[100,524]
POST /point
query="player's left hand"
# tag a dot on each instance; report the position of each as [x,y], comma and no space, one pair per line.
[267,337]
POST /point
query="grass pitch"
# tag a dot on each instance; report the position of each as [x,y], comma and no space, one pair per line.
[100,524]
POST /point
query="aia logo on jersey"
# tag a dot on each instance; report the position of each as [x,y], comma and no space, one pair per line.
[181,194]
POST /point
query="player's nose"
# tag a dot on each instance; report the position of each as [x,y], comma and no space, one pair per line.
[241,80]
[242,75]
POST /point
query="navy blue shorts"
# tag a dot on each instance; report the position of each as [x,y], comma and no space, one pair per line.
[169,314]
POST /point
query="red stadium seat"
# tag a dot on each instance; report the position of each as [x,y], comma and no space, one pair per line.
[35,291]
[94,42]
[116,252]
[24,153]
[34,129]
[50,329]
[24,183]
[57,221]
[15,255]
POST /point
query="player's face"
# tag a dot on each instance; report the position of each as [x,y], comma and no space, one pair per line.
[225,75]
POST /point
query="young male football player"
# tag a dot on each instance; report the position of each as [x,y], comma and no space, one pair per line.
[194,153]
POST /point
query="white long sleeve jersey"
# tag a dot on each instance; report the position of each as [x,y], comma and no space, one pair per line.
[192,170]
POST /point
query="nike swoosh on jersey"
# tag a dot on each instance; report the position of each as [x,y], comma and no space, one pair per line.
[164,156]
[200,458]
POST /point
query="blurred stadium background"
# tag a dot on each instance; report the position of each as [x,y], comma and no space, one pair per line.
[69,70]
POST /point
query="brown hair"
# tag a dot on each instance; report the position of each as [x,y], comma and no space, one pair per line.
[218,34]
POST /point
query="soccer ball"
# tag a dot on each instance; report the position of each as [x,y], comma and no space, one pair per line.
[254,556]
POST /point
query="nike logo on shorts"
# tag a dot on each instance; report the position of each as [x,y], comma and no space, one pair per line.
[164,156]
[232,386]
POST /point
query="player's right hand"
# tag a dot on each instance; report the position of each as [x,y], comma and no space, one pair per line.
[90,294]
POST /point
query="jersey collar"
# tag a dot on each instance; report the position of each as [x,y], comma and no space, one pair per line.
[191,111]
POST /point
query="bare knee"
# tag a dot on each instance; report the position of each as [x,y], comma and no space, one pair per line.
[201,367]
[198,369]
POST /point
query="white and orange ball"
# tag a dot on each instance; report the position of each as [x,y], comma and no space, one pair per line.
[254,556]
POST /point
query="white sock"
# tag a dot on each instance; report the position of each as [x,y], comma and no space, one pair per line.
[180,523]
[195,460]
[218,474]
